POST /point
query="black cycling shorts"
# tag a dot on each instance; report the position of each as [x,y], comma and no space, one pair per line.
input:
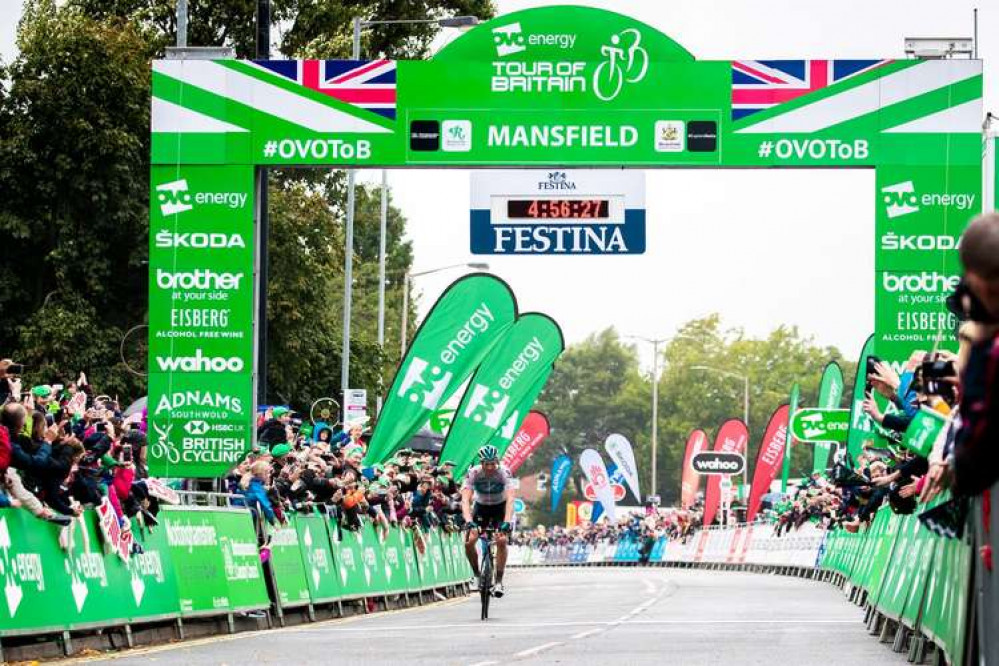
[489,515]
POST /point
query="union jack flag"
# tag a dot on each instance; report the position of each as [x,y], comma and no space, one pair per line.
[368,84]
[762,84]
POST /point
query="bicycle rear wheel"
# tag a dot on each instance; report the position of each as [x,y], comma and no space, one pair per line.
[486,582]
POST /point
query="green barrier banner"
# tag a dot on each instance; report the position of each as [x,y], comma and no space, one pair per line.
[830,395]
[461,328]
[317,554]
[288,565]
[49,588]
[216,559]
[201,269]
[410,565]
[376,578]
[349,562]
[512,373]
[399,571]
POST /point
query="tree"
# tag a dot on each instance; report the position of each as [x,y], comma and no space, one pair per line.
[74,142]
[597,389]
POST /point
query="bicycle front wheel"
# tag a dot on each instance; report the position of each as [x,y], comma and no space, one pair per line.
[486,583]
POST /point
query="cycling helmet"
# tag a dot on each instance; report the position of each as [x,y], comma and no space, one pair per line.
[489,453]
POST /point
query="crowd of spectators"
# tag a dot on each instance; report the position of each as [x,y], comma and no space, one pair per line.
[962,389]
[297,467]
[644,527]
[63,449]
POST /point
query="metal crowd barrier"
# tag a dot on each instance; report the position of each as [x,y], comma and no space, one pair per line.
[203,561]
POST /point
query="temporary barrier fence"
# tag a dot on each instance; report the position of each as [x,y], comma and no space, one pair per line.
[204,561]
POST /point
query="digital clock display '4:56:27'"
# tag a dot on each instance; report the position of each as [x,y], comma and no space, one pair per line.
[547,209]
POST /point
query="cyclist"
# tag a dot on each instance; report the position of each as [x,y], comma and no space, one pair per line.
[487,501]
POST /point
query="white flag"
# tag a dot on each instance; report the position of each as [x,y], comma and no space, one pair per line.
[619,449]
[596,473]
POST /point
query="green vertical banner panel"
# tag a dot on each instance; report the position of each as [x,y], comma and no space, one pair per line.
[201,268]
[463,569]
[216,560]
[321,573]
[923,558]
[373,557]
[37,576]
[151,578]
[288,566]
[349,561]
[397,577]
[900,574]
[410,565]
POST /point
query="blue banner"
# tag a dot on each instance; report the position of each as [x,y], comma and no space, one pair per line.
[560,475]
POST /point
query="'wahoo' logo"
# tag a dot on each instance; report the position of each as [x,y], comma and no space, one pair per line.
[417,388]
[486,406]
[199,363]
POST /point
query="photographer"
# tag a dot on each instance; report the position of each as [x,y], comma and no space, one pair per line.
[976,443]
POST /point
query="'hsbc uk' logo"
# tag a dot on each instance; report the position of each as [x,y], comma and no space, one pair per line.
[196,428]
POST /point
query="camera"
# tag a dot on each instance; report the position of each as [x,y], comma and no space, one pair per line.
[15,369]
[937,377]
[872,363]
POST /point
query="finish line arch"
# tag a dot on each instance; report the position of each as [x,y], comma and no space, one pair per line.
[557,86]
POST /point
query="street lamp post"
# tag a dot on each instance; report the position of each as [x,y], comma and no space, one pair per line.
[655,342]
[405,296]
[358,25]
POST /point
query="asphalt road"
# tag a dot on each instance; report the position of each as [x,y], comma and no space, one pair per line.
[593,616]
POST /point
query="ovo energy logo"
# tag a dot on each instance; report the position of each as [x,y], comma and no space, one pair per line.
[509,39]
[487,406]
[902,199]
[174,197]
[417,388]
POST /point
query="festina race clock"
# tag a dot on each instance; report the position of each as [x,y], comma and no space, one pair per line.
[558,211]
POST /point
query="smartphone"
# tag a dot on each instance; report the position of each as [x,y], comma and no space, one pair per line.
[126,453]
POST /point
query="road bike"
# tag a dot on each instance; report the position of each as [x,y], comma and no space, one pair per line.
[487,556]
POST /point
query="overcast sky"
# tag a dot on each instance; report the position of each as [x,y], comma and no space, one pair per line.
[761,247]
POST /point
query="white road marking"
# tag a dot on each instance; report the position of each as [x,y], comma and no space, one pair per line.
[538,648]
[484,663]
[584,634]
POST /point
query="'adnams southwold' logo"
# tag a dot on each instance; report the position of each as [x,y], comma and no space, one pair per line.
[902,199]
[174,198]
[557,180]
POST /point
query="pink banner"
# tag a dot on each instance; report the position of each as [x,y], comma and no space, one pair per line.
[690,481]
[770,459]
[532,432]
[732,438]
